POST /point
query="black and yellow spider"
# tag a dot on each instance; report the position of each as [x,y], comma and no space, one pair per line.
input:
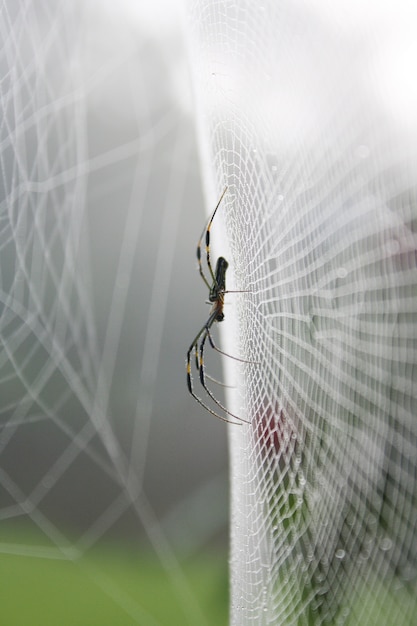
[217,289]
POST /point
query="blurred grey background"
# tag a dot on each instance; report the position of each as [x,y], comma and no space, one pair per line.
[102,98]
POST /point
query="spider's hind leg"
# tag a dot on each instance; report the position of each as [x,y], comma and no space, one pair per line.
[231,356]
[203,381]
[199,400]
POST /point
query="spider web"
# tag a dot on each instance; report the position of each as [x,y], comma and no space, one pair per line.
[307,113]
[97,159]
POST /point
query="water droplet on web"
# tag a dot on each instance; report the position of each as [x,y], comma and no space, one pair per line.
[386,544]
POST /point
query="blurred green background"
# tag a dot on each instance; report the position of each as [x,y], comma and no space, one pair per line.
[112,584]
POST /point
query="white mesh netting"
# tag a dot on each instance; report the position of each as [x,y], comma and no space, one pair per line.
[307,111]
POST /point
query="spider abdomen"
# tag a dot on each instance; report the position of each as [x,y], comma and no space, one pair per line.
[219,285]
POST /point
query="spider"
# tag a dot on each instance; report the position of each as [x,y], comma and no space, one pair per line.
[217,289]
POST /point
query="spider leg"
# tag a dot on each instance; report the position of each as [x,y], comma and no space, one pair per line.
[200,364]
[206,333]
[197,398]
[213,345]
[194,348]
[197,365]
[218,382]
[206,234]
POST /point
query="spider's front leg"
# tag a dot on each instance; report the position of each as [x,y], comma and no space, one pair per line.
[206,235]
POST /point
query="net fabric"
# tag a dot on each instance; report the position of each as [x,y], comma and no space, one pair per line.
[302,113]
